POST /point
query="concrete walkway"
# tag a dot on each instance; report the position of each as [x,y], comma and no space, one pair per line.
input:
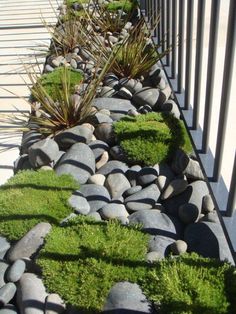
[22,34]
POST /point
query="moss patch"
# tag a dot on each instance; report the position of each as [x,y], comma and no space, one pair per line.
[52,82]
[31,197]
[192,285]
[97,255]
[124,5]
[151,138]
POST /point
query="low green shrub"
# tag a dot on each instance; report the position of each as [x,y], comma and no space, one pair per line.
[52,82]
[98,254]
[124,5]
[151,138]
[31,197]
[192,284]
[83,260]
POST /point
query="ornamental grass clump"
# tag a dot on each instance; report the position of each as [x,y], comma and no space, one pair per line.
[151,138]
[53,116]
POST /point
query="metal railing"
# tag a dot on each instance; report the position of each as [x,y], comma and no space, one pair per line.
[182,28]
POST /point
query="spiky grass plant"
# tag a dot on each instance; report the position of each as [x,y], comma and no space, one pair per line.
[135,54]
[65,112]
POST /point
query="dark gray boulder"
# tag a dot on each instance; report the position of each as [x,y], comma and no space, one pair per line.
[208,240]
[132,174]
[4,247]
[3,269]
[79,203]
[125,297]
[30,243]
[113,210]
[7,293]
[43,152]
[144,199]
[78,161]
[115,105]
[147,175]
[98,147]
[77,134]
[157,223]
[102,118]
[183,164]
[113,166]
[192,195]
[104,132]
[9,309]
[160,244]
[116,184]
[146,96]
[31,294]
[16,270]
[96,195]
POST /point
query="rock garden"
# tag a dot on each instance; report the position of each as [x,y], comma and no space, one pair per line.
[108,210]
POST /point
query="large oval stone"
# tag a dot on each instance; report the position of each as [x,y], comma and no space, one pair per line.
[78,161]
[96,195]
[157,223]
[144,199]
[126,297]
[30,243]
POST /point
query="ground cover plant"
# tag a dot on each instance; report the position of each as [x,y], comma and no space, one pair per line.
[191,284]
[125,5]
[31,197]
[52,82]
[98,255]
[151,138]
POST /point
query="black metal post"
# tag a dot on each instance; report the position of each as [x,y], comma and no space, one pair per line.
[163,25]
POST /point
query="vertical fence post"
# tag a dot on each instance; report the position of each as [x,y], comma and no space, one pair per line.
[173,40]
[226,86]
[168,30]
[198,61]
[163,25]
[188,64]
[180,46]
[232,192]
[215,6]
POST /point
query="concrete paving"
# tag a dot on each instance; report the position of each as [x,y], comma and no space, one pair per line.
[22,32]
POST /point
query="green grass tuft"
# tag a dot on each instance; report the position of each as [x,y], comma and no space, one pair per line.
[151,138]
[97,255]
[52,82]
[124,5]
[191,285]
[31,197]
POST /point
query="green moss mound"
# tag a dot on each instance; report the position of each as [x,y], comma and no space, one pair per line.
[84,260]
[151,138]
[191,285]
[97,255]
[31,197]
[52,82]
[124,5]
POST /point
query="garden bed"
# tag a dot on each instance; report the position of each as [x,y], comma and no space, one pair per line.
[108,210]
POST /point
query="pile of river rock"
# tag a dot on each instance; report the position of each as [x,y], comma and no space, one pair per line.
[171,201]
